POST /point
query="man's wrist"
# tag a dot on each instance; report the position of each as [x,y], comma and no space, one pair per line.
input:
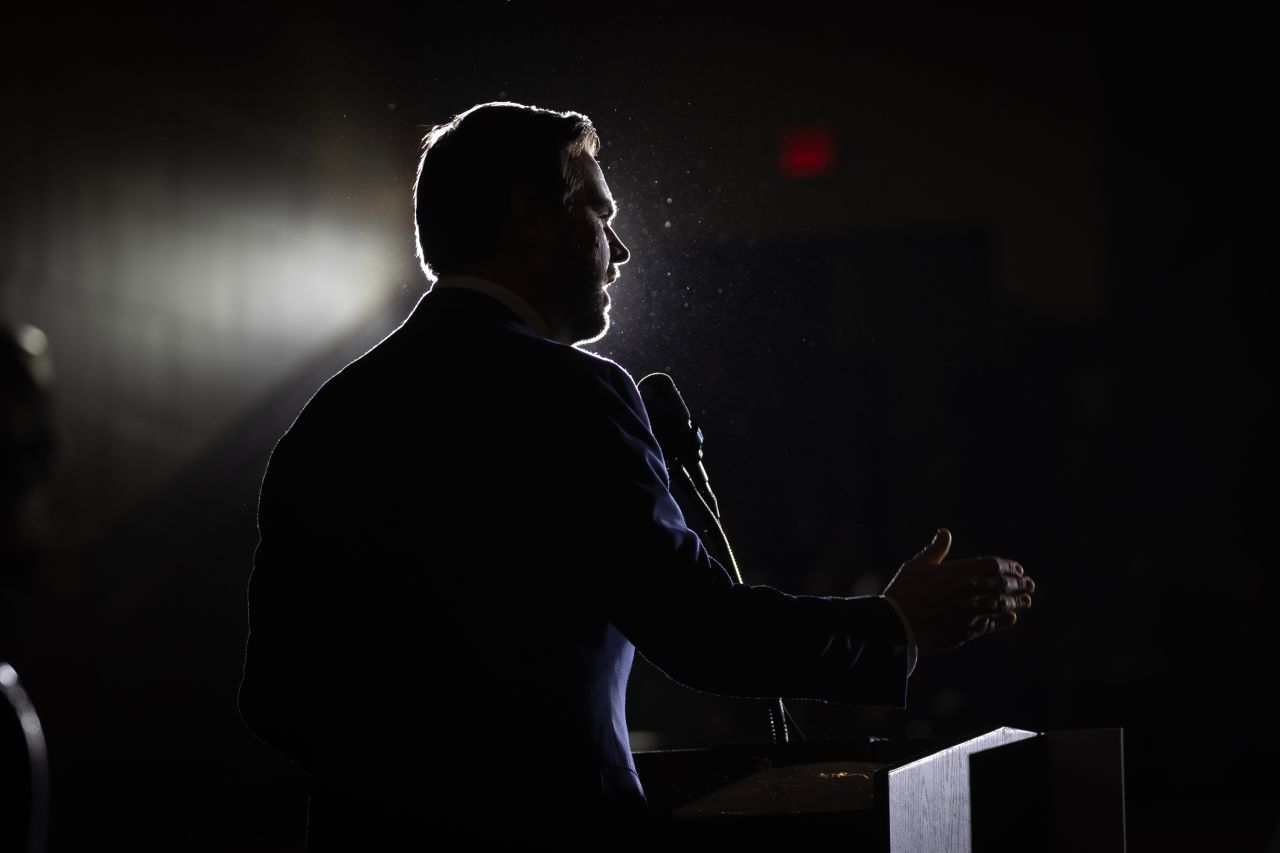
[913,651]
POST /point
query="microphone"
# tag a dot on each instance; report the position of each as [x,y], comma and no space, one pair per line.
[678,436]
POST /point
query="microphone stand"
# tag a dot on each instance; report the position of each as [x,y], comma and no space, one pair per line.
[678,459]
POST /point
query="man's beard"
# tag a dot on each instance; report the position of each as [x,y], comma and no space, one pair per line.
[589,316]
[586,305]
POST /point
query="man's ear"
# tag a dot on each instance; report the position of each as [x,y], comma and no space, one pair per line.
[532,219]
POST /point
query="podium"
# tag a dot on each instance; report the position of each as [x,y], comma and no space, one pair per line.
[1001,790]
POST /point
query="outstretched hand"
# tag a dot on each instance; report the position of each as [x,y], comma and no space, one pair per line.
[949,604]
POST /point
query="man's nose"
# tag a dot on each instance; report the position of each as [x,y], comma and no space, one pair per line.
[620,254]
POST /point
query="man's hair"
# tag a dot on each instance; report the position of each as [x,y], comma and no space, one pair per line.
[470,165]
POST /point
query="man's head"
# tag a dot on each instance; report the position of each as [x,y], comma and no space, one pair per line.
[513,193]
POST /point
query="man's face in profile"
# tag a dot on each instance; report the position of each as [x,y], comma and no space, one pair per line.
[589,256]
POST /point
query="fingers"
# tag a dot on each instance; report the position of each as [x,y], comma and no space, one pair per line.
[977,565]
[990,624]
[992,574]
[1003,584]
[1008,591]
[990,604]
[998,612]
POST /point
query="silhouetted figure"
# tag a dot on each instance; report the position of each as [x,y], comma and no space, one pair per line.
[468,533]
[29,450]
[29,443]
[30,447]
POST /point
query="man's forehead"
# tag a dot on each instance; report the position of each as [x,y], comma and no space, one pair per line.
[595,190]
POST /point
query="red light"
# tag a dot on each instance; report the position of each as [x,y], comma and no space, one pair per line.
[807,151]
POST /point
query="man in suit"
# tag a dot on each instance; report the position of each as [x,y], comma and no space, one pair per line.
[468,533]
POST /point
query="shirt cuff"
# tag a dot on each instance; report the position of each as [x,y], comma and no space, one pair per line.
[913,654]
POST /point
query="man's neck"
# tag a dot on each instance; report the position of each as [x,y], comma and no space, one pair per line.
[509,297]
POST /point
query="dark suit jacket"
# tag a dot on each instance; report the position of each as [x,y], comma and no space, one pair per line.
[465,536]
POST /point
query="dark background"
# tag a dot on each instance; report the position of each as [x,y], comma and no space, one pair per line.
[1030,302]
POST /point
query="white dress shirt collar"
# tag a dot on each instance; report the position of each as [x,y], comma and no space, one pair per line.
[507,297]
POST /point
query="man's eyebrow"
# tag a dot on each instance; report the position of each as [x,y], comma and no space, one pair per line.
[609,207]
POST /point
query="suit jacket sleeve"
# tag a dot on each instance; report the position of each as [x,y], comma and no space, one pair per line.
[678,605]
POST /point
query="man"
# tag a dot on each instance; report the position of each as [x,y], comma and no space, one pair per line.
[468,532]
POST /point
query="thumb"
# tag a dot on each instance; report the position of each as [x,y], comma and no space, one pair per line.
[936,551]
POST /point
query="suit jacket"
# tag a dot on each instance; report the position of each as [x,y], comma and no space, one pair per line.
[465,536]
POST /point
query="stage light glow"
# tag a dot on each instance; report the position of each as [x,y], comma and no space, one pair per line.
[177,301]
